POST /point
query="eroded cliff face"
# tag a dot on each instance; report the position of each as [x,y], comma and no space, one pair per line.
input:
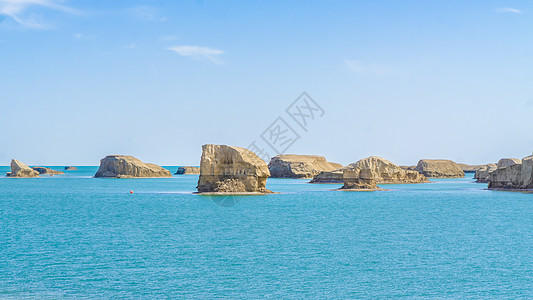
[299,166]
[335,176]
[385,172]
[47,171]
[188,170]
[517,176]
[229,169]
[482,175]
[360,180]
[21,170]
[506,162]
[439,168]
[125,166]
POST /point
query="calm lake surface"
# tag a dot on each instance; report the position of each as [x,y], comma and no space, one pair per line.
[74,236]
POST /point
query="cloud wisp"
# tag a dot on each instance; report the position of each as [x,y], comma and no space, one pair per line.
[198,52]
[368,69]
[509,10]
[16,10]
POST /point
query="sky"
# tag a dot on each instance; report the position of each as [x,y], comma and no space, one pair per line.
[404,80]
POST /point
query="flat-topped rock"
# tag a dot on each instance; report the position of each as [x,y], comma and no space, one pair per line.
[21,170]
[47,171]
[125,166]
[471,168]
[231,170]
[518,176]
[506,162]
[188,170]
[482,175]
[335,176]
[70,168]
[299,166]
[385,172]
[439,168]
[360,180]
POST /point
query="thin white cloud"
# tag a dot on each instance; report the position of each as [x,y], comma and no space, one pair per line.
[368,69]
[17,11]
[509,10]
[131,46]
[198,52]
[146,13]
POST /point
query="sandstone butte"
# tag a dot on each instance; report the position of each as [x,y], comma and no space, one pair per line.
[482,175]
[360,180]
[385,172]
[439,168]
[299,166]
[514,176]
[188,170]
[21,170]
[124,166]
[231,170]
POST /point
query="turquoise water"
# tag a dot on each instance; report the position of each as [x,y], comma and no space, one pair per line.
[74,236]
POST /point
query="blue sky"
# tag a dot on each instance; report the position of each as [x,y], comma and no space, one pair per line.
[157,79]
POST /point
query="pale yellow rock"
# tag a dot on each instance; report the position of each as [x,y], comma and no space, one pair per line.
[360,180]
[229,169]
[516,176]
[335,176]
[299,166]
[482,175]
[505,162]
[386,172]
[125,166]
[21,170]
[471,168]
[439,168]
[47,171]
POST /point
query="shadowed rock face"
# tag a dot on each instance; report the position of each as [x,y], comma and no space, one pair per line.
[506,162]
[360,180]
[385,172]
[299,166]
[188,171]
[471,168]
[335,176]
[439,168]
[124,166]
[229,169]
[20,169]
[482,175]
[47,171]
[514,176]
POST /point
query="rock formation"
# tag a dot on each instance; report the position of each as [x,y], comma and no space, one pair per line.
[360,180]
[69,168]
[439,168]
[229,169]
[471,168]
[47,171]
[482,175]
[124,166]
[188,171]
[299,166]
[20,169]
[505,162]
[385,172]
[335,176]
[514,176]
